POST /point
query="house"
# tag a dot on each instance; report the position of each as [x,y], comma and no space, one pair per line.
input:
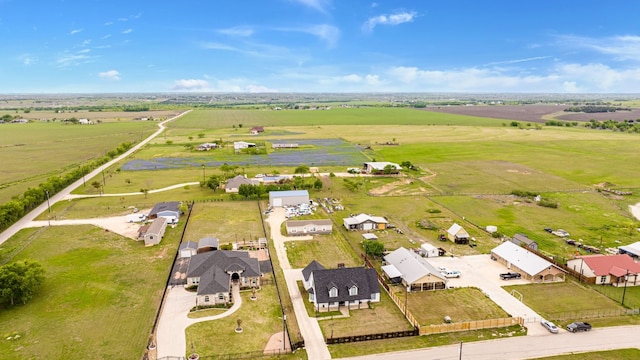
[365,222]
[632,250]
[207,146]
[309,227]
[284,145]
[233,184]
[288,198]
[428,250]
[458,234]
[155,232]
[523,240]
[413,271]
[256,130]
[187,249]
[332,289]
[85,122]
[19,121]
[531,266]
[380,166]
[207,244]
[616,270]
[169,210]
[214,272]
[239,145]
[272,179]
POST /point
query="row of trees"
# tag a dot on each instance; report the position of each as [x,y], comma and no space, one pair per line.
[595,109]
[13,210]
[19,281]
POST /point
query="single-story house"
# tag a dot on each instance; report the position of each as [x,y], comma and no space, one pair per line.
[632,250]
[233,184]
[256,130]
[369,236]
[284,145]
[238,145]
[85,122]
[213,273]
[523,240]
[155,232]
[365,222]
[207,244]
[412,270]
[616,270]
[168,210]
[309,227]
[379,167]
[187,249]
[531,266]
[288,198]
[458,234]
[332,289]
[428,250]
[272,179]
[206,146]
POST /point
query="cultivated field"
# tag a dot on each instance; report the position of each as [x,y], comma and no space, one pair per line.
[533,113]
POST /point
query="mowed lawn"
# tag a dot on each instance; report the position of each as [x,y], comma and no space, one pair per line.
[328,250]
[562,299]
[622,354]
[381,317]
[100,296]
[261,319]
[461,304]
[229,221]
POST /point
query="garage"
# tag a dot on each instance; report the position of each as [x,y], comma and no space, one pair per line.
[288,198]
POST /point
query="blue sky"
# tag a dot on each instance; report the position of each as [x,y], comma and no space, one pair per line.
[94,46]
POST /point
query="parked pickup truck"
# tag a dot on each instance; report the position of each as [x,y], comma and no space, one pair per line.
[510,275]
[578,326]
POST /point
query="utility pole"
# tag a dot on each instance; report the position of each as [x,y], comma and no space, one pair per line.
[284,330]
[203,175]
[460,351]
[48,206]
[626,278]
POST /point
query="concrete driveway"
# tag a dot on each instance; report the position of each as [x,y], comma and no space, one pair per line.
[482,272]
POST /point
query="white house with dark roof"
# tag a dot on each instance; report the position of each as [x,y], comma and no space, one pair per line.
[413,271]
[169,210]
[531,266]
[214,272]
[332,289]
[365,222]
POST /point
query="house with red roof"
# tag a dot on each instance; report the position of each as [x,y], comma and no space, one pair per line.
[617,270]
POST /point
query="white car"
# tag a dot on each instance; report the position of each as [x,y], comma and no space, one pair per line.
[451,274]
[549,326]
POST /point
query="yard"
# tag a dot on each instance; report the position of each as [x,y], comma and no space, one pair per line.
[229,221]
[328,250]
[94,302]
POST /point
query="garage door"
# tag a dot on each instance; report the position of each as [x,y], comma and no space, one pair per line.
[367,226]
[277,202]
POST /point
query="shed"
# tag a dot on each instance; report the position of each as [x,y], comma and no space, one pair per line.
[458,234]
[288,198]
[429,250]
[521,239]
[207,244]
[187,249]
[632,250]
[369,236]
[155,232]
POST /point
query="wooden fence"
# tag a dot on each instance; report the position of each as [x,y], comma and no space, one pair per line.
[470,325]
[367,337]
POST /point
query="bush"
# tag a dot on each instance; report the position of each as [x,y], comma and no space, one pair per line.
[548,203]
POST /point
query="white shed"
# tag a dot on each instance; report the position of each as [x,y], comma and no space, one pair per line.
[429,250]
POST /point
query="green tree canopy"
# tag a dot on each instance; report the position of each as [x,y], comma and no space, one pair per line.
[302,169]
[373,247]
[19,281]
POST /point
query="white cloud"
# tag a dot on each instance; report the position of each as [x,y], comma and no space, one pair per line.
[328,33]
[73,59]
[259,89]
[320,5]
[190,85]
[242,31]
[623,48]
[108,23]
[373,80]
[75,31]
[393,19]
[127,31]
[516,61]
[110,75]
[27,59]
[106,36]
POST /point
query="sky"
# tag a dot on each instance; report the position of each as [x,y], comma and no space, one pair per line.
[311,46]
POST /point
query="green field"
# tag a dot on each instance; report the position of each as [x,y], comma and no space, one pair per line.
[96,300]
[623,354]
[229,221]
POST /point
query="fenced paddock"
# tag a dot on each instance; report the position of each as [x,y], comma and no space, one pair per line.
[470,325]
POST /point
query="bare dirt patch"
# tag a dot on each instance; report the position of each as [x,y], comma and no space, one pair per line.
[276,345]
[533,113]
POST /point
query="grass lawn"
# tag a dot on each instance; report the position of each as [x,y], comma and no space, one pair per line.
[631,294]
[417,342]
[100,296]
[622,354]
[328,250]
[381,317]
[260,319]
[564,300]
[229,221]
[460,304]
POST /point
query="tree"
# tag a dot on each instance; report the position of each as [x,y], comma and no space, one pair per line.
[98,185]
[317,184]
[145,192]
[19,281]
[373,247]
[200,135]
[302,169]
[390,169]
[246,190]
[213,182]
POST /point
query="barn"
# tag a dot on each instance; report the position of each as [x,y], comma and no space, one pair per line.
[288,198]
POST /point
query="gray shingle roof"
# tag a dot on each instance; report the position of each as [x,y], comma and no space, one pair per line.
[343,279]
[165,206]
[313,266]
[212,268]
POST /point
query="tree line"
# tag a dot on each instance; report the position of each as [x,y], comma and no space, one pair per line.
[19,206]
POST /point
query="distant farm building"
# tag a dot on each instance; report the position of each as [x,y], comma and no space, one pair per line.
[288,198]
[523,240]
[256,130]
[206,146]
[239,145]
[458,234]
[309,227]
[284,145]
[365,222]
[381,167]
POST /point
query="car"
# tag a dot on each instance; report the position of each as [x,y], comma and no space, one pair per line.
[510,275]
[549,230]
[578,326]
[451,274]
[549,326]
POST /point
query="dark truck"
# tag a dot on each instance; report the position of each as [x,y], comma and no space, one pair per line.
[510,275]
[578,326]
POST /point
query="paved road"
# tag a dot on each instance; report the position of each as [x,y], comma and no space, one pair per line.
[20,224]
[309,328]
[170,334]
[525,347]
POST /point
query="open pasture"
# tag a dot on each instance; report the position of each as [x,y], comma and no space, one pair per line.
[100,295]
[95,116]
[533,113]
[617,116]
[33,152]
